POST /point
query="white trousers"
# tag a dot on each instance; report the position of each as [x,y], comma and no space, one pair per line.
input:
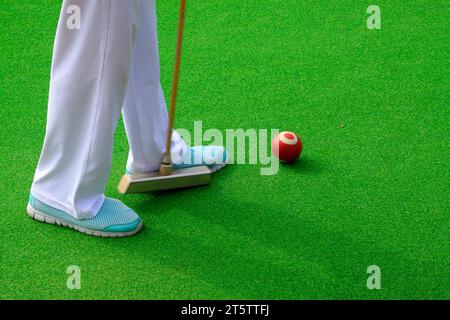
[106,66]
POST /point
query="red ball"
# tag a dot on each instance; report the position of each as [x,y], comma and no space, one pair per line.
[287,146]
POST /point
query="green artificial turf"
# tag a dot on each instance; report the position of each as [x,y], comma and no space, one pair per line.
[371,188]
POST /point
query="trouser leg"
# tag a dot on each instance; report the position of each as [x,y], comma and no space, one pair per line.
[89,78]
[145,110]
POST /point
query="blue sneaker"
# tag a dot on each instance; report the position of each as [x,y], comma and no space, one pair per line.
[214,157]
[113,220]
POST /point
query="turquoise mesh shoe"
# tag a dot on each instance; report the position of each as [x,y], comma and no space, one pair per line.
[215,157]
[113,220]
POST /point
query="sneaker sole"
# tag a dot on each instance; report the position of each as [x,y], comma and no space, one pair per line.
[42,217]
[219,166]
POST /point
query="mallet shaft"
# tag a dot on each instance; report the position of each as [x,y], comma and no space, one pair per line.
[165,168]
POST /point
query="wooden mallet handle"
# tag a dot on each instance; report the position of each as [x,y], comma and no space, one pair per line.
[166,166]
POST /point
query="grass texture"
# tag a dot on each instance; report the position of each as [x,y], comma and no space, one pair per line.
[371,188]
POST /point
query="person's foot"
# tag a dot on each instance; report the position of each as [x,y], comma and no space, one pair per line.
[214,157]
[113,220]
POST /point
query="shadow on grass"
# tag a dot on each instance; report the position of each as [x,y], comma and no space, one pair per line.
[212,245]
[252,250]
[305,165]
